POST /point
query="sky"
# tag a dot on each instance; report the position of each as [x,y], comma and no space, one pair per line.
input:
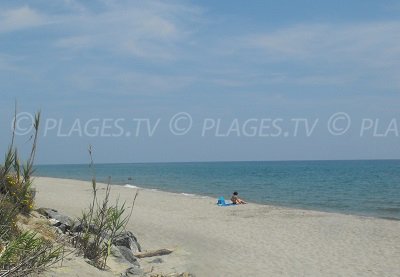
[168,81]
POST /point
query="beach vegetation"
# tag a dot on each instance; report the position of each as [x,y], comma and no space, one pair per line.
[22,252]
[101,223]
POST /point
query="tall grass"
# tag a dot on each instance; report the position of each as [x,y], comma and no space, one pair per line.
[21,252]
[101,223]
[27,253]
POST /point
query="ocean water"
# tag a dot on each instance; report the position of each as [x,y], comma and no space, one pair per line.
[369,188]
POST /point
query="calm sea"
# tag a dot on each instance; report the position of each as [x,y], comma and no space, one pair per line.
[355,187]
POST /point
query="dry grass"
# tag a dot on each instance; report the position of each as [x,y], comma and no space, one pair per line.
[39,225]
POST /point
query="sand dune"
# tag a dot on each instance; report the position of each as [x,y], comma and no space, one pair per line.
[247,240]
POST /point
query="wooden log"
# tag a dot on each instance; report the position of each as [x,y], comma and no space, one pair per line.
[159,252]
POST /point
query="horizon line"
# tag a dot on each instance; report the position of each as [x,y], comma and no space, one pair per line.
[220,161]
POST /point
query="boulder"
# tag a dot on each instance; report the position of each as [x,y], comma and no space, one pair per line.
[125,254]
[128,240]
[57,219]
[78,228]
[63,228]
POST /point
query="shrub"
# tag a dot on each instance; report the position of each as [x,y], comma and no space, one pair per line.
[101,224]
[21,253]
[8,218]
[20,193]
[15,179]
[26,254]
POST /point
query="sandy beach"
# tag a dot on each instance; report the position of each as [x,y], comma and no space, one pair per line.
[246,240]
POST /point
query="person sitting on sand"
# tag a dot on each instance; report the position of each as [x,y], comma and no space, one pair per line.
[236,200]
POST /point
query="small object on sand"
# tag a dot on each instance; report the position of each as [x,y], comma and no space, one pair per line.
[147,254]
[157,261]
[221,202]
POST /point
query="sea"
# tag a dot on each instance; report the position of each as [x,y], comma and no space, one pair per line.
[361,187]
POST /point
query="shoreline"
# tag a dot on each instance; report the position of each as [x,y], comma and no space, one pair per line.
[243,240]
[277,205]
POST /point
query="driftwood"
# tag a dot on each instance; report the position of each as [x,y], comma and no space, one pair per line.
[158,252]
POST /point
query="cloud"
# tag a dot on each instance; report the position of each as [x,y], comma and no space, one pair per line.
[374,44]
[151,29]
[20,18]
[359,55]
[169,45]
[113,47]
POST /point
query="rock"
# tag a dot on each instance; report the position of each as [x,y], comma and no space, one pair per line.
[133,271]
[66,220]
[53,221]
[77,228]
[116,253]
[128,240]
[58,231]
[55,215]
[124,253]
[80,227]
[157,261]
[63,228]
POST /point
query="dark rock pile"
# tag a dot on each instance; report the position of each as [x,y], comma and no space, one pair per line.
[123,246]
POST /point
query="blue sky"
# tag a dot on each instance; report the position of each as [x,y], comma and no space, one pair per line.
[211,59]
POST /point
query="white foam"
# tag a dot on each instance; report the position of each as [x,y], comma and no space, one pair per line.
[188,194]
[131,186]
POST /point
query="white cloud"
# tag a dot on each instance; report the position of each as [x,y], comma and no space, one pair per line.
[362,54]
[371,44]
[20,18]
[162,32]
[148,29]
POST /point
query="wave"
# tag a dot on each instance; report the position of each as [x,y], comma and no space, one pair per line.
[188,194]
[131,186]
